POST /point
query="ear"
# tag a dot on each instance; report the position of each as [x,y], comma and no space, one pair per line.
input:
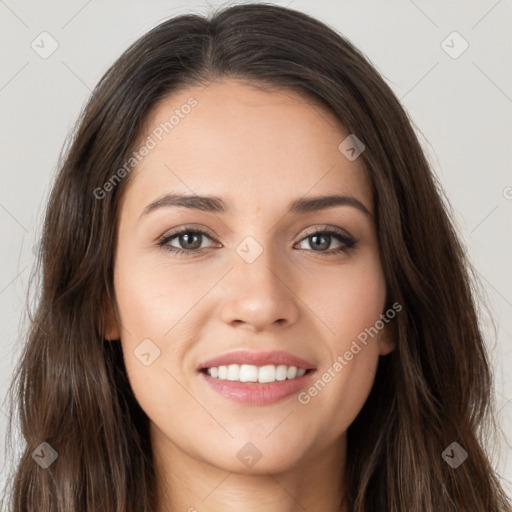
[112,331]
[387,338]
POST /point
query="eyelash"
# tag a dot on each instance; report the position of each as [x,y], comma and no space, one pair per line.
[348,242]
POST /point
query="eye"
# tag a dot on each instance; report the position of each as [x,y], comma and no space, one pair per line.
[189,239]
[322,238]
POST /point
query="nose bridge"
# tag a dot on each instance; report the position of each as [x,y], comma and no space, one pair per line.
[261,294]
[257,265]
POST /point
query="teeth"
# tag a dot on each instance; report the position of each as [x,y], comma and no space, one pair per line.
[291,372]
[251,373]
[246,373]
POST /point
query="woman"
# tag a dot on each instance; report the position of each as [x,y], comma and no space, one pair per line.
[253,297]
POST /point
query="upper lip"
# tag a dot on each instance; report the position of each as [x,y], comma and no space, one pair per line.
[276,357]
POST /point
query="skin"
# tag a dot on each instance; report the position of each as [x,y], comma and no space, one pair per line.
[259,151]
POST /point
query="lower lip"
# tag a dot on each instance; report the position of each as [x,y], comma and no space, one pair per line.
[256,393]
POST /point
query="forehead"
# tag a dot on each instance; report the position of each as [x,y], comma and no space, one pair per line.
[255,147]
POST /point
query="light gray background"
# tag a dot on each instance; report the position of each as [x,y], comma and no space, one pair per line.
[461,107]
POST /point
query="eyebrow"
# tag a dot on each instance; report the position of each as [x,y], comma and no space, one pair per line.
[217,205]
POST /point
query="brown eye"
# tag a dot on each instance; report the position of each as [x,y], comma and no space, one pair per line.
[188,241]
[321,240]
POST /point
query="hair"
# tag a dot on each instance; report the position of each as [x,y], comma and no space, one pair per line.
[70,387]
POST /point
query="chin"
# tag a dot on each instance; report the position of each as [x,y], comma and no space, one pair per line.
[256,456]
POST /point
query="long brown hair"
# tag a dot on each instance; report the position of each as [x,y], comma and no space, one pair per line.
[70,387]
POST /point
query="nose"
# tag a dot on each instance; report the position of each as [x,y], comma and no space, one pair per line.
[259,294]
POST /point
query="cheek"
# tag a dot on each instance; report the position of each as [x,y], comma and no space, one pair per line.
[350,307]
[152,297]
[155,309]
[349,302]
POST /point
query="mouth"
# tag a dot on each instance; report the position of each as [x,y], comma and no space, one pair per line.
[257,393]
[256,385]
[256,378]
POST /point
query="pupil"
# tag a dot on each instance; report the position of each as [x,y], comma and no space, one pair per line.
[324,245]
[186,237]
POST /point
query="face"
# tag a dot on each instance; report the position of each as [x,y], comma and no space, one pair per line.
[246,276]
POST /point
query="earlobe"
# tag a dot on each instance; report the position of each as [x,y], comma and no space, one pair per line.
[111,331]
[387,339]
[386,348]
